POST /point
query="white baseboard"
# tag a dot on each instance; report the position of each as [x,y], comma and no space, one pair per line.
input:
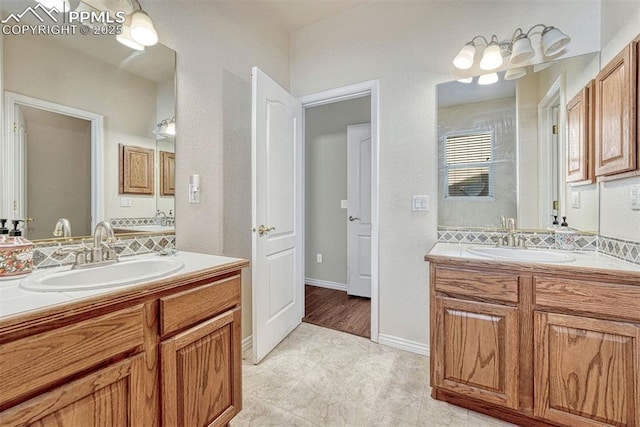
[247,343]
[403,344]
[326,284]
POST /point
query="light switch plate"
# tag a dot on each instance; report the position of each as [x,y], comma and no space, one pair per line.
[635,197]
[420,203]
[125,202]
[575,199]
[344,204]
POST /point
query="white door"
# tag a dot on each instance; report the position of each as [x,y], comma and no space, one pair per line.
[359,210]
[277,263]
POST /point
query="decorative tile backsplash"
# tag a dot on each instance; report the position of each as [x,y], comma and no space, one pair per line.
[123,222]
[48,255]
[626,250]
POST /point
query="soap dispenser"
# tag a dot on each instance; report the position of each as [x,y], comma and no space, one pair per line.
[565,238]
[16,254]
[4,231]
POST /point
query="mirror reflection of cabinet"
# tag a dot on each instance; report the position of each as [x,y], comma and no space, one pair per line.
[136,170]
[167,173]
[580,123]
[616,124]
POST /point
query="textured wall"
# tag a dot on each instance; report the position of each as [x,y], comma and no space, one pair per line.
[326,184]
[217,43]
[620,25]
[409,46]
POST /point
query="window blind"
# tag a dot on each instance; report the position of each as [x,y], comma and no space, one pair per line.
[469,164]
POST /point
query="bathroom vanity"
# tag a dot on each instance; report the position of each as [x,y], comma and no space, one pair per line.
[167,353]
[536,343]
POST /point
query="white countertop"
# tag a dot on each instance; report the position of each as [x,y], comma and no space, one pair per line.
[14,299]
[588,259]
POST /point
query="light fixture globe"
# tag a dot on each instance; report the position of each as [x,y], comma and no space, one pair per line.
[553,41]
[491,58]
[515,73]
[142,30]
[521,50]
[125,38]
[488,79]
[464,59]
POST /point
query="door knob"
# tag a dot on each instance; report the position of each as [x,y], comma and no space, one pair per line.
[263,230]
[353,218]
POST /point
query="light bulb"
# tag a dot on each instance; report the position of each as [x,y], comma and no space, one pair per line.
[142,30]
[491,58]
[125,38]
[464,59]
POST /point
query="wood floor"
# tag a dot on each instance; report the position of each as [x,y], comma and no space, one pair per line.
[336,310]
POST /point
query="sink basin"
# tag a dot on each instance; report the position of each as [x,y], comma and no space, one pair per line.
[518,254]
[108,276]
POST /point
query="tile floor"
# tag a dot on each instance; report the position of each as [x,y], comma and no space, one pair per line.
[321,377]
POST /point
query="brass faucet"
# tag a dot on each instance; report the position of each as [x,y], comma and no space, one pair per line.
[102,238]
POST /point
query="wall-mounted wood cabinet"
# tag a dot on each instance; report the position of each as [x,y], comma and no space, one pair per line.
[616,100]
[580,138]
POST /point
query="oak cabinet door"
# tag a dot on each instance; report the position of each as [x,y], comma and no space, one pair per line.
[586,371]
[616,87]
[112,396]
[476,352]
[201,373]
[580,136]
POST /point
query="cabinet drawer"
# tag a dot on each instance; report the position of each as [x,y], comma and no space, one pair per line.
[31,363]
[189,307]
[608,299]
[495,286]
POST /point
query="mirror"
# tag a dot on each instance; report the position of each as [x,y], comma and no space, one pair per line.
[72,100]
[502,149]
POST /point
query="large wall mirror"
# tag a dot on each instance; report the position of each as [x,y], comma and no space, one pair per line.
[502,149]
[69,101]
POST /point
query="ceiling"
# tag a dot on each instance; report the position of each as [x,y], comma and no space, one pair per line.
[295,14]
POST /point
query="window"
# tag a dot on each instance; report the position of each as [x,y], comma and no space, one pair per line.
[469,164]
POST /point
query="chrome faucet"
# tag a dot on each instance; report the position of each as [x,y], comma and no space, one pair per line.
[102,238]
[62,228]
[160,221]
[510,239]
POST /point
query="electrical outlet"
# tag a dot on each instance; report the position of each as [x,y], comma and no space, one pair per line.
[319,258]
[125,202]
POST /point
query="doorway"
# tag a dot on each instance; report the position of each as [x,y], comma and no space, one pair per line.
[337,143]
[551,164]
[14,204]
[278,180]
[345,306]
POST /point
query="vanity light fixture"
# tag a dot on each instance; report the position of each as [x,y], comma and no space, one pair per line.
[166,128]
[467,80]
[518,48]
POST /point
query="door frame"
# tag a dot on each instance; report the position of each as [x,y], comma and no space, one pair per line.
[554,96]
[12,99]
[358,90]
